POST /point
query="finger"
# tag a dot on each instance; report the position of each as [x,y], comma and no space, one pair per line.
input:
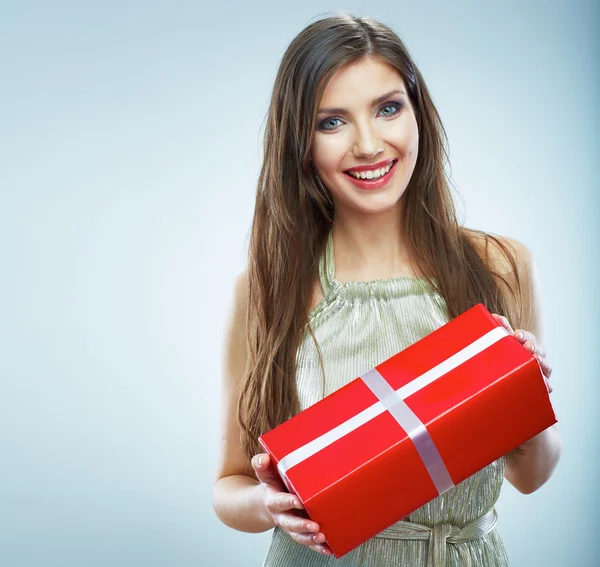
[529,342]
[260,460]
[267,475]
[534,348]
[523,336]
[264,471]
[315,541]
[294,524]
[546,368]
[503,321]
[282,502]
[324,548]
[308,540]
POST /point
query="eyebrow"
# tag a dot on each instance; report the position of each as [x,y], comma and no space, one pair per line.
[374,102]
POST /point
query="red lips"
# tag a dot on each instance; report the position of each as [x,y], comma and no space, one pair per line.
[371,167]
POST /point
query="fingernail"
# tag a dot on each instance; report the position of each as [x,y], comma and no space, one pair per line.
[260,461]
[519,335]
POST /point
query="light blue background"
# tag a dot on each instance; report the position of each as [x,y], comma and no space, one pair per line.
[129,153]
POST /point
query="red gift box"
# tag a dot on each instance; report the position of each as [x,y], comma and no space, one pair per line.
[414,426]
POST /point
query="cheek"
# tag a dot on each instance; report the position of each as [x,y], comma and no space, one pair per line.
[327,155]
[410,132]
[413,146]
[409,140]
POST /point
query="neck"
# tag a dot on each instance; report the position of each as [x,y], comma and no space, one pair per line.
[370,248]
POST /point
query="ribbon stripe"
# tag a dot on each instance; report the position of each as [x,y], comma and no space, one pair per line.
[414,428]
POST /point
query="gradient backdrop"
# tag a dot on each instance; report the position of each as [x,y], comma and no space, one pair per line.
[129,152]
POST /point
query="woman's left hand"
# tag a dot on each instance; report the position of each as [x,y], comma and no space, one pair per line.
[528,340]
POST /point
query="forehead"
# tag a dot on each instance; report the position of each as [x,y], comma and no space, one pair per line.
[367,77]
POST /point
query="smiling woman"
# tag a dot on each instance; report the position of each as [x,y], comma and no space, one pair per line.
[355,254]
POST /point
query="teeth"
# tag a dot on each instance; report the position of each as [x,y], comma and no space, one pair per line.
[372,174]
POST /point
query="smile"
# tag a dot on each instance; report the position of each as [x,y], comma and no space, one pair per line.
[370,173]
[372,179]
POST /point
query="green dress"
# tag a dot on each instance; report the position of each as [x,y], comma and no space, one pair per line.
[358,325]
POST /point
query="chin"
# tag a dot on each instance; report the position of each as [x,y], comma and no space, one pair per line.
[375,206]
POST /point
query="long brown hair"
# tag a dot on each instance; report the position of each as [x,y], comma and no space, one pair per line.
[294,213]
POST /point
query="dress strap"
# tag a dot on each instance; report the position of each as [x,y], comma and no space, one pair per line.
[326,265]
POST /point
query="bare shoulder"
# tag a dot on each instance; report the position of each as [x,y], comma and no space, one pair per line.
[495,250]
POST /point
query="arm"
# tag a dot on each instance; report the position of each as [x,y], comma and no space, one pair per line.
[236,494]
[530,465]
[248,495]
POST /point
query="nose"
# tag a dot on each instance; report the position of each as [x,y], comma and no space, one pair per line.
[367,144]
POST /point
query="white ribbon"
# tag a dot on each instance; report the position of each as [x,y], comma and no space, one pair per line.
[414,428]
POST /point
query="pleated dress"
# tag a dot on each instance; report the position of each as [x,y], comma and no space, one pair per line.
[359,325]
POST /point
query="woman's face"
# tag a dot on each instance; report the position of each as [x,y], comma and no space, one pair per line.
[365,107]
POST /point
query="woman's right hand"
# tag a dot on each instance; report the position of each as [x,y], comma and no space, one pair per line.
[281,505]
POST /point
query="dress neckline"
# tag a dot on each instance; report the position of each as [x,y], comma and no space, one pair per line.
[328,280]
[357,292]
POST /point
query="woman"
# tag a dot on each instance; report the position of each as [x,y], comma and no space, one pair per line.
[355,254]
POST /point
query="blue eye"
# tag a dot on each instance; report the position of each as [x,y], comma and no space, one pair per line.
[395,105]
[327,120]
